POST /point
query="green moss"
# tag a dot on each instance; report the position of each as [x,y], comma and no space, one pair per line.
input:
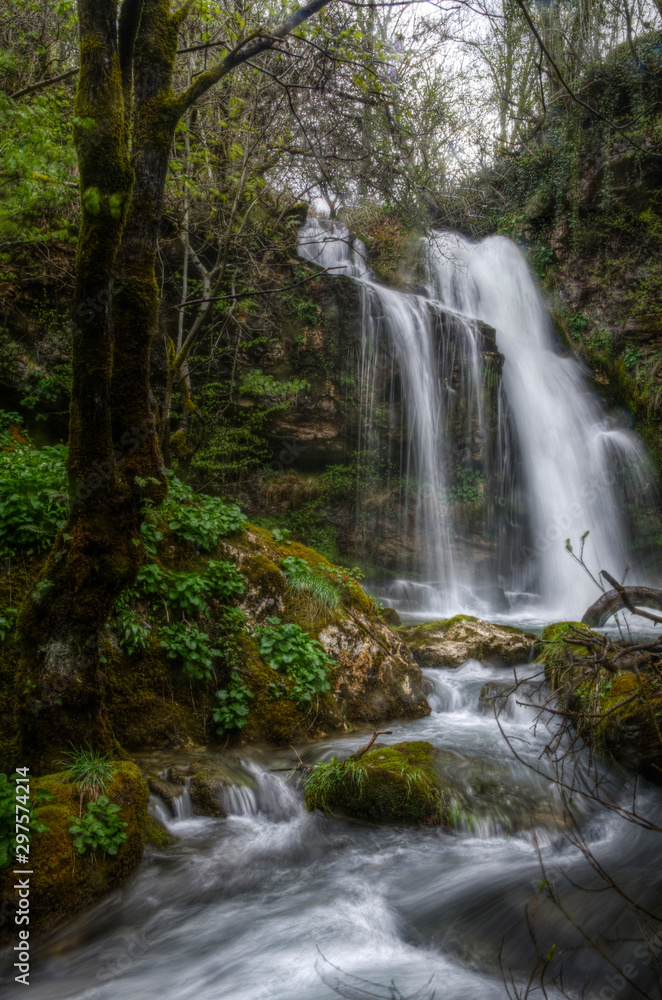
[64,882]
[156,834]
[394,784]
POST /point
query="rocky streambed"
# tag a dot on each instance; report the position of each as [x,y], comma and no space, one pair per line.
[264,898]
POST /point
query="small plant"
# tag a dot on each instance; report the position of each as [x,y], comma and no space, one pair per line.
[302,577]
[7,622]
[89,770]
[291,651]
[9,839]
[327,775]
[233,708]
[100,826]
[466,486]
[134,632]
[631,357]
[32,497]
[224,580]
[192,647]
[281,536]
[202,520]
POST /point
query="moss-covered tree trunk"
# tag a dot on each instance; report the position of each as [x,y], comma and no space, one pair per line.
[60,685]
[126,116]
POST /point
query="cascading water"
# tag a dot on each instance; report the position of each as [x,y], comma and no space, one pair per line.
[557,463]
[574,458]
[407,325]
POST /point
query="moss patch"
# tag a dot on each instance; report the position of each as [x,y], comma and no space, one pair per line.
[395,784]
[64,882]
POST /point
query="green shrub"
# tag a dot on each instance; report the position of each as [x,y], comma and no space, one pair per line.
[201,520]
[233,708]
[291,651]
[32,497]
[100,826]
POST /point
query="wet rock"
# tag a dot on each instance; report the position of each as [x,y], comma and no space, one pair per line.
[617,711]
[208,780]
[452,642]
[157,834]
[493,695]
[391,616]
[166,790]
[416,782]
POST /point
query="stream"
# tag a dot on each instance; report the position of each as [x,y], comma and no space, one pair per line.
[274,903]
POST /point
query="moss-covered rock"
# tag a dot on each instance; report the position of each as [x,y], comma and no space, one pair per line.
[453,641]
[418,783]
[617,711]
[395,784]
[157,834]
[63,882]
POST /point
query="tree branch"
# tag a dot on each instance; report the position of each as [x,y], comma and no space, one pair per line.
[44,83]
[247,49]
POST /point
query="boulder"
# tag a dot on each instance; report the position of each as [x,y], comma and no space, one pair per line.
[493,695]
[452,642]
[415,782]
[617,711]
[64,882]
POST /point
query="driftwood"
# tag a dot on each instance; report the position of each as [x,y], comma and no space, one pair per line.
[622,597]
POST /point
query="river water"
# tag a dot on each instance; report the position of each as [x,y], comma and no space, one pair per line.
[274,903]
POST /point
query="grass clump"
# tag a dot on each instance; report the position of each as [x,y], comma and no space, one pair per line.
[303,579]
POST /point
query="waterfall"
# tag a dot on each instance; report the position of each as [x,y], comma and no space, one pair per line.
[549,460]
[575,458]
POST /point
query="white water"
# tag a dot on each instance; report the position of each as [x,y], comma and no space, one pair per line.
[257,906]
[573,462]
[574,457]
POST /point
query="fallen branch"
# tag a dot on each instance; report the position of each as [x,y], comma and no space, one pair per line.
[359,753]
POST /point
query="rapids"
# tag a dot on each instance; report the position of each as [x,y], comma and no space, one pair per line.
[273,903]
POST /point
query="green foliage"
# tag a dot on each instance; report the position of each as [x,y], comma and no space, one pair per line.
[202,520]
[188,592]
[192,648]
[281,536]
[7,622]
[326,776]
[302,577]
[233,708]
[291,651]
[10,840]
[578,322]
[134,632]
[466,489]
[631,357]
[100,826]
[32,497]
[224,580]
[89,770]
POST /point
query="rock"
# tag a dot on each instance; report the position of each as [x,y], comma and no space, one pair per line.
[166,790]
[452,642]
[418,783]
[493,694]
[65,882]
[158,835]
[391,616]
[376,677]
[617,712]
[207,782]
[394,784]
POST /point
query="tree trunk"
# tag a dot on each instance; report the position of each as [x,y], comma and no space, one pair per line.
[59,680]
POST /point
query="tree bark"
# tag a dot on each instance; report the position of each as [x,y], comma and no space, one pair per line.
[59,680]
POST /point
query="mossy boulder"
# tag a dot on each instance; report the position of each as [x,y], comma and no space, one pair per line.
[453,641]
[394,784]
[618,712]
[416,782]
[65,882]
